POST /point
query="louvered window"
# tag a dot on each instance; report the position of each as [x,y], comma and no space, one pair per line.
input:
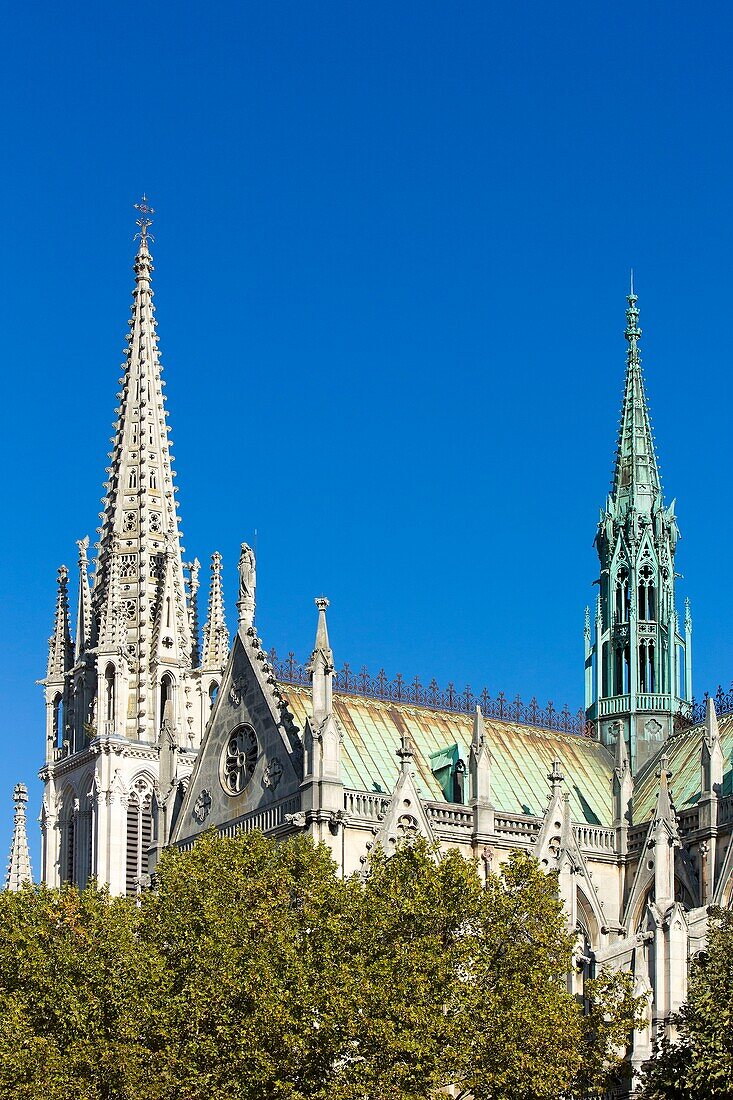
[139,837]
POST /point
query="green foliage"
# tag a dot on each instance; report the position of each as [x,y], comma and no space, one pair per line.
[254,971]
[700,1062]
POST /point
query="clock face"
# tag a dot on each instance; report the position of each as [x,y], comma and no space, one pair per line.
[238,759]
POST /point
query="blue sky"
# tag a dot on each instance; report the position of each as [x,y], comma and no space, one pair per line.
[392,252]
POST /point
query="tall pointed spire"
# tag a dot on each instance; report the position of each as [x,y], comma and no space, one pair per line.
[60,651]
[216,635]
[636,481]
[638,667]
[19,864]
[139,531]
[84,602]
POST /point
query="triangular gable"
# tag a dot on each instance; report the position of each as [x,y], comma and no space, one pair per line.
[406,816]
[250,759]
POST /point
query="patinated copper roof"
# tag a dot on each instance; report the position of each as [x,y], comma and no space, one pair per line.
[683,756]
[522,755]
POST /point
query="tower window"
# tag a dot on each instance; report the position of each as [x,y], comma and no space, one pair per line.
[57,717]
[139,837]
[622,595]
[109,693]
[132,479]
[647,601]
[166,699]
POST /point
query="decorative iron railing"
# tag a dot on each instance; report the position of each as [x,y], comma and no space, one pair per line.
[398,690]
[723,705]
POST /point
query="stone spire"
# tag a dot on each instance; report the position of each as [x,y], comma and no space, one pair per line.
[216,635]
[194,568]
[636,482]
[321,666]
[139,544]
[19,865]
[84,602]
[60,650]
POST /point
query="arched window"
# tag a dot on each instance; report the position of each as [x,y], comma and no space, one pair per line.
[213,691]
[153,479]
[647,593]
[109,697]
[132,480]
[139,835]
[68,838]
[622,595]
[166,700]
[56,720]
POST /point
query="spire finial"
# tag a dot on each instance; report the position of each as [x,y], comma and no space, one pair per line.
[555,776]
[405,753]
[631,283]
[633,332]
[144,221]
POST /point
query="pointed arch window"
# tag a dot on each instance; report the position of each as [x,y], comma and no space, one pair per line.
[68,838]
[153,479]
[166,700]
[109,697]
[139,835]
[622,595]
[56,719]
[647,594]
[132,478]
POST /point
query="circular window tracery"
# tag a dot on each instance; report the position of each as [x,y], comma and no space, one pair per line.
[238,759]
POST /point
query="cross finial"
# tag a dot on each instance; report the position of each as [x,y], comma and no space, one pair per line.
[144,221]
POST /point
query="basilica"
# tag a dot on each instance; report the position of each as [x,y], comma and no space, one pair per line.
[159,726]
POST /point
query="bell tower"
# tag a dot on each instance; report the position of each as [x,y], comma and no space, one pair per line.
[638,663]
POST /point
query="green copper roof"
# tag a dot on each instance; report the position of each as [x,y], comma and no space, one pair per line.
[683,754]
[522,755]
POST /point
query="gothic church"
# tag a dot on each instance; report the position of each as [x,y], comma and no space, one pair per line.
[157,730]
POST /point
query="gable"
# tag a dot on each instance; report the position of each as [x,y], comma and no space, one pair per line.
[249,762]
[683,755]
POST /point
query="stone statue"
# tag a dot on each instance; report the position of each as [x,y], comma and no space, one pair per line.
[247,585]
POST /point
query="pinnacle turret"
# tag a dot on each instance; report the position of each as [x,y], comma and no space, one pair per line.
[19,864]
[216,635]
[84,602]
[60,650]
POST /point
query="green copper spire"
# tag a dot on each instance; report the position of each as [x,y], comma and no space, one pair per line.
[638,677]
[636,481]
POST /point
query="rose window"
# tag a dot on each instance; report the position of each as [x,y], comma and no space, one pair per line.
[238,759]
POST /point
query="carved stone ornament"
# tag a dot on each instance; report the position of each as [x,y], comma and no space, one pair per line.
[235,692]
[202,807]
[238,759]
[273,773]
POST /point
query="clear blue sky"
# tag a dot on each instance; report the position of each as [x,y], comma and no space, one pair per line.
[393,244]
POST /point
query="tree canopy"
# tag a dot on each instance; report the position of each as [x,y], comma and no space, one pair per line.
[254,971]
[700,1060]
